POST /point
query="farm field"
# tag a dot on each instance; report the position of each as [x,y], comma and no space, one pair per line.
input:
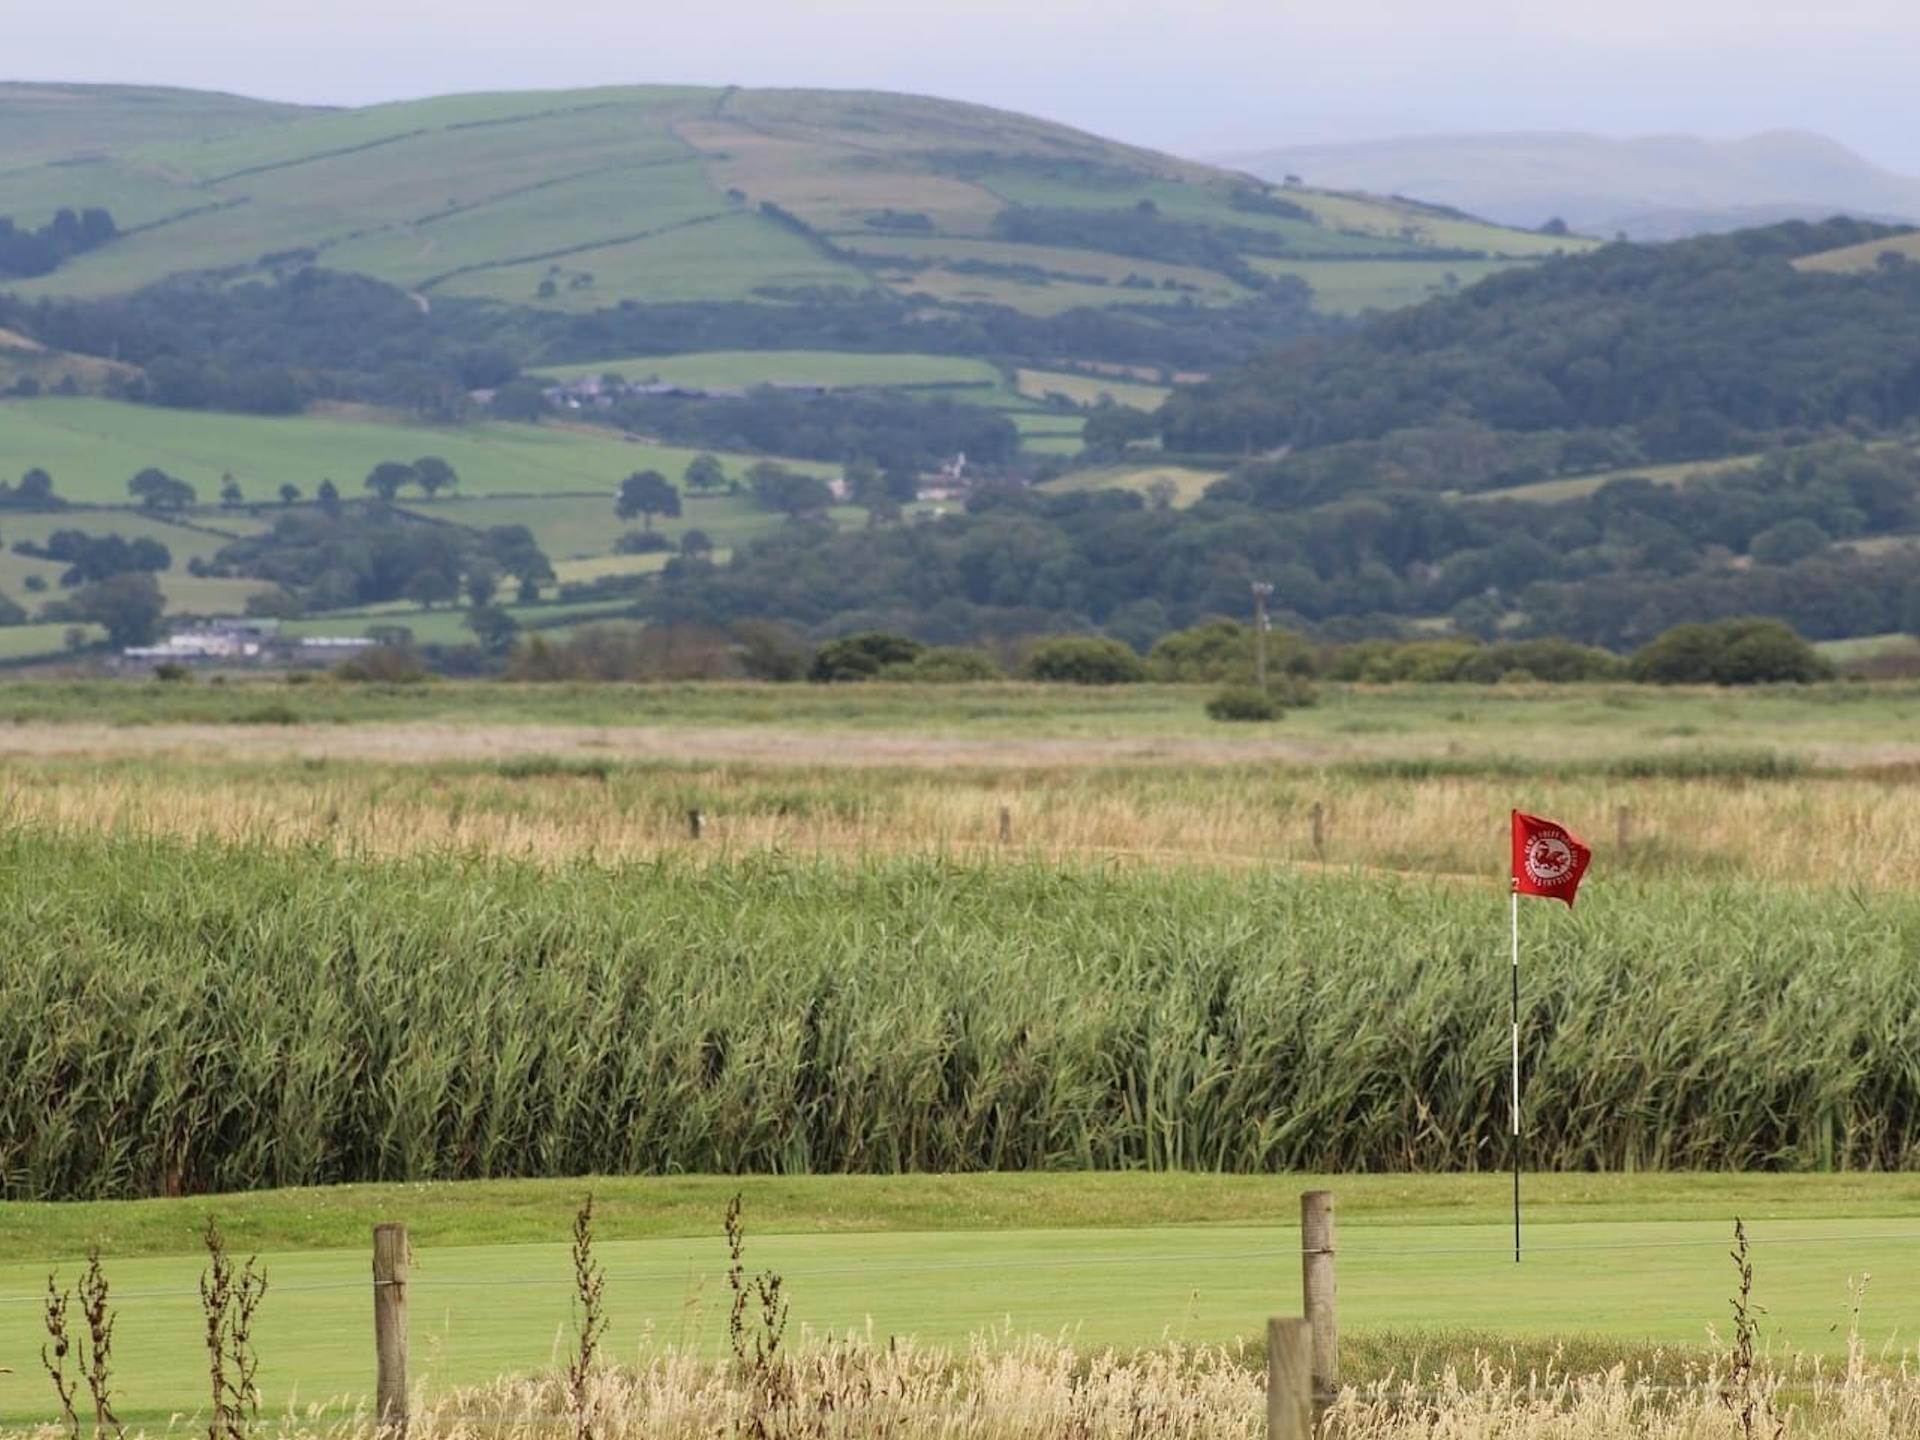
[93,447]
[835,368]
[1109,1260]
[1351,287]
[1188,483]
[1089,390]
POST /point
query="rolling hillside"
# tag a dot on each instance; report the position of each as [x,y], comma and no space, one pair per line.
[580,200]
[1658,187]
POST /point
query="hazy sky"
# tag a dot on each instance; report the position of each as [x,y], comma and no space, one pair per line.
[1195,76]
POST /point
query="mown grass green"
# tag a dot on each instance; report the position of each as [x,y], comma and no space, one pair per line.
[1128,1261]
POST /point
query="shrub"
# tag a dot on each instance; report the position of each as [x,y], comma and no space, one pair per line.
[862,657]
[1730,652]
[946,665]
[642,542]
[383,665]
[1084,660]
[770,650]
[1223,651]
[1243,703]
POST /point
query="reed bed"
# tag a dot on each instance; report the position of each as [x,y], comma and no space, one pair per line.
[1753,817]
[191,1016]
[1042,1390]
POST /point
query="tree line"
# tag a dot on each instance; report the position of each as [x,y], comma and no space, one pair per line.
[26,253]
[1697,348]
[1613,567]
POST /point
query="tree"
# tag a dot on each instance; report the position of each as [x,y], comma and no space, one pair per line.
[387,477]
[36,488]
[696,545]
[157,490]
[704,473]
[1084,660]
[128,605]
[865,483]
[329,497]
[776,488]
[483,583]
[521,400]
[432,475]
[1731,652]
[861,657]
[230,496]
[772,651]
[1111,428]
[647,493]
[289,493]
[1787,542]
[493,627]
[431,586]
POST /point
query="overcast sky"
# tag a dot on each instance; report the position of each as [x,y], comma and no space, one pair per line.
[1197,76]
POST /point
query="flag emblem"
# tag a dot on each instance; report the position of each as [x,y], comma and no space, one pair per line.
[1549,858]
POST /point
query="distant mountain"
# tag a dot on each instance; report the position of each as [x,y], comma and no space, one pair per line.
[1657,187]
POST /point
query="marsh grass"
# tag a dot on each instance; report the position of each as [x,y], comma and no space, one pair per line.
[1727,816]
[186,1017]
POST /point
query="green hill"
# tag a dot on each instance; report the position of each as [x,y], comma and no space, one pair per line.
[580,200]
[71,126]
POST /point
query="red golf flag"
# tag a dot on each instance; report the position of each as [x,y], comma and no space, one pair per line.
[1548,859]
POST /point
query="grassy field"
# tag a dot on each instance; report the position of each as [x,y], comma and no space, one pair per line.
[1114,1260]
[93,447]
[838,369]
[1188,483]
[1862,257]
[1573,487]
[387,791]
[1089,390]
[1435,730]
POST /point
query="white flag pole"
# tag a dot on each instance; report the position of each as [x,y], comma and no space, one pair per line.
[1515,898]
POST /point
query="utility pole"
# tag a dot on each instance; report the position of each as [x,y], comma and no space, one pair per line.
[1261,590]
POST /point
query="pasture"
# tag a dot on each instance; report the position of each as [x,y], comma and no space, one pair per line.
[93,447]
[833,368]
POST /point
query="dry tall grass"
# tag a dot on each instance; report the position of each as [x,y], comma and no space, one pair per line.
[1854,830]
[1041,1390]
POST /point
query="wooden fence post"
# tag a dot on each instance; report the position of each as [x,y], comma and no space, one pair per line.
[1006,825]
[696,823]
[390,1324]
[1317,1283]
[1289,1381]
[1319,831]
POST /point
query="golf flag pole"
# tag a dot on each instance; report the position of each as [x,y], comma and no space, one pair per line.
[1515,898]
[1549,860]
